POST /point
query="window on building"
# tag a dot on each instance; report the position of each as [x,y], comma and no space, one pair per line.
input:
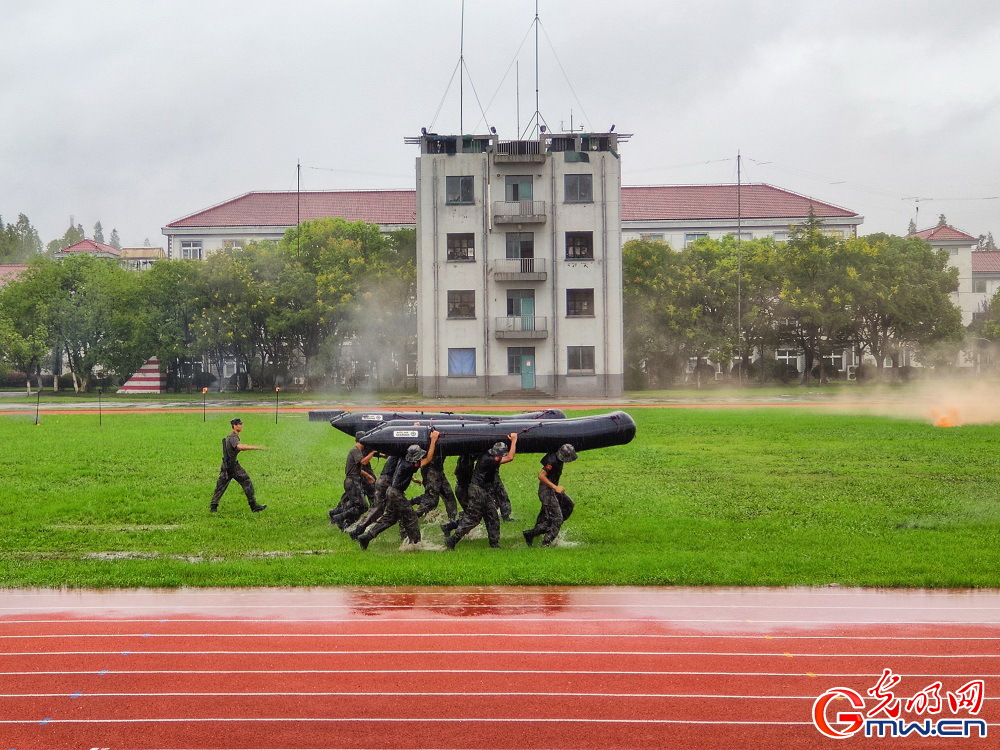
[579,245]
[461,304]
[459,189]
[462,246]
[979,286]
[580,360]
[781,236]
[579,188]
[518,356]
[520,245]
[191,249]
[461,363]
[835,233]
[834,361]
[579,303]
[517,187]
[521,302]
[692,237]
[788,357]
[232,244]
[651,236]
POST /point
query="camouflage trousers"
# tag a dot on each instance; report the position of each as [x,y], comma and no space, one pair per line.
[556,508]
[501,498]
[352,504]
[238,475]
[436,487]
[377,507]
[397,510]
[481,507]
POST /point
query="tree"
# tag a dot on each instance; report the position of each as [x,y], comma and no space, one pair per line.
[912,228]
[19,242]
[814,269]
[98,232]
[25,335]
[115,240]
[901,295]
[72,235]
[985,242]
[942,221]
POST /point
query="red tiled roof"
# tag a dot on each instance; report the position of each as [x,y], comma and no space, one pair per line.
[986,261]
[90,246]
[946,232]
[278,209]
[757,201]
[662,202]
[10,273]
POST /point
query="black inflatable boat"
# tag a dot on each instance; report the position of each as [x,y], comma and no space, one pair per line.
[352,422]
[458,436]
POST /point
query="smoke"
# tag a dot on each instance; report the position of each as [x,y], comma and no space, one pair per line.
[944,403]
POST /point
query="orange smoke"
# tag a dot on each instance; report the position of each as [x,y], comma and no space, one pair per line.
[947,418]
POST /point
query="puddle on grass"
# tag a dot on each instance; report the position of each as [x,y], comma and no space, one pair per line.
[142,555]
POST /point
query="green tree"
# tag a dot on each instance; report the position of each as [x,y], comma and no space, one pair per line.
[98,232]
[19,242]
[901,296]
[815,270]
[71,236]
[115,240]
[25,337]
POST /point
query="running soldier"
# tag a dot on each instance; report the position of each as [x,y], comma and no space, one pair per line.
[231,469]
[481,502]
[502,499]
[357,471]
[436,486]
[557,506]
[378,505]
[397,507]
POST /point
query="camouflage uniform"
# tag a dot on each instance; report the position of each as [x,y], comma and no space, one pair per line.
[556,506]
[436,486]
[378,506]
[352,503]
[501,499]
[232,471]
[463,475]
[481,505]
[397,507]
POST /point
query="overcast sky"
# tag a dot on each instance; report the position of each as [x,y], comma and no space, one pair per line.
[136,113]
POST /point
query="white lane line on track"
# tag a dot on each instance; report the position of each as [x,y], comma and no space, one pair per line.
[382,694]
[527,605]
[550,620]
[496,652]
[397,672]
[466,634]
[389,719]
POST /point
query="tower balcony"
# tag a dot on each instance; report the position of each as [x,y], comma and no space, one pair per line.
[519,152]
[519,212]
[519,269]
[522,327]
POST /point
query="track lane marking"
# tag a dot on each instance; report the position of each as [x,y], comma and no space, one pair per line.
[494,652]
[652,673]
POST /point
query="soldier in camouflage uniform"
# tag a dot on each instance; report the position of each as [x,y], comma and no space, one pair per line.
[502,499]
[481,503]
[378,506]
[357,470]
[231,469]
[436,486]
[556,504]
[463,475]
[397,507]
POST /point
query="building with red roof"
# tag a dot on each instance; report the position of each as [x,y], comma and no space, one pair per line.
[961,248]
[89,247]
[677,214]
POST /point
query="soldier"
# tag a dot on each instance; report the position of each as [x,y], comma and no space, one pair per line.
[352,503]
[436,486]
[502,499]
[378,505]
[557,506]
[481,502]
[231,469]
[463,475]
[397,507]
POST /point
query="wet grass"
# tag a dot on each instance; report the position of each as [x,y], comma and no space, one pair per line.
[701,497]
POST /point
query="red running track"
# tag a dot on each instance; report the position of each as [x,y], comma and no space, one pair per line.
[501,668]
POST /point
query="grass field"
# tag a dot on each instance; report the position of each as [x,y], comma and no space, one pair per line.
[701,497]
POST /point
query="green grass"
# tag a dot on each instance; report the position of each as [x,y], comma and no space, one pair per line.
[701,497]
